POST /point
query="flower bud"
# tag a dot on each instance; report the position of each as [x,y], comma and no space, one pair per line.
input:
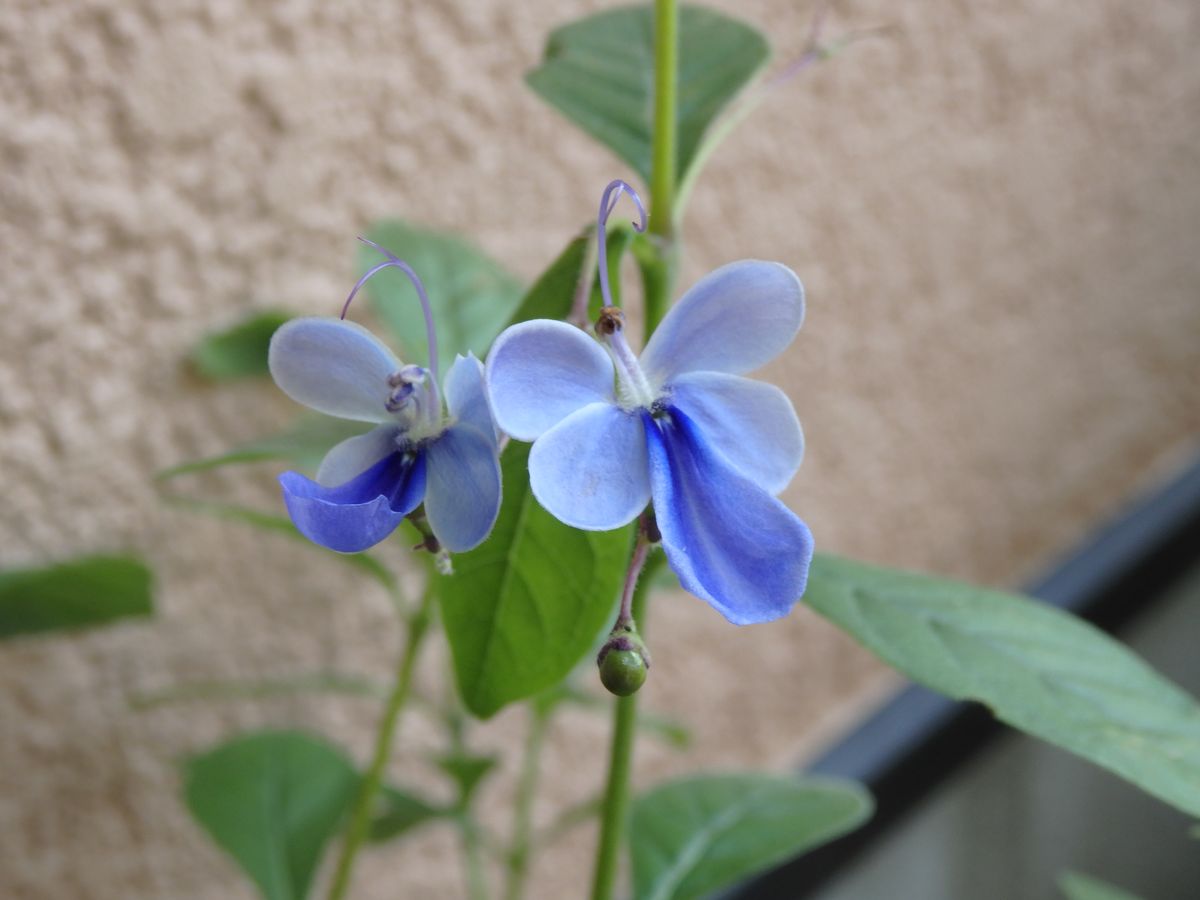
[623,662]
[623,672]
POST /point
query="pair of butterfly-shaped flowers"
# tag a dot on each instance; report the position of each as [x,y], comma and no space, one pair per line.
[679,427]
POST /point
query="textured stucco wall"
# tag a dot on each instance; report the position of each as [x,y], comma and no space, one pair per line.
[994,210]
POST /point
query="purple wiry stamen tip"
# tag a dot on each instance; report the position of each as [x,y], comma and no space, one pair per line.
[608,202]
[395,262]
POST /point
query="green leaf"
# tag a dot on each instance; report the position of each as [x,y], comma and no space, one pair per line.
[302,445]
[401,812]
[553,294]
[700,834]
[472,295]
[79,593]
[522,609]
[272,800]
[599,73]
[467,771]
[1076,886]
[239,351]
[1039,669]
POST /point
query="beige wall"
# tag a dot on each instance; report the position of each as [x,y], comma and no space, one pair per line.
[994,209]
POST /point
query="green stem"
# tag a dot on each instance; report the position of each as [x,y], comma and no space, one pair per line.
[360,816]
[473,853]
[620,765]
[666,89]
[522,842]
[658,270]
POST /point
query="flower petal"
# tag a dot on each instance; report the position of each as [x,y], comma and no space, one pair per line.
[733,320]
[360,513]
[462,497]
[336,367]
[466,397]
[730,542]
[751,424]
[353,456]
[540,372]
[589,471]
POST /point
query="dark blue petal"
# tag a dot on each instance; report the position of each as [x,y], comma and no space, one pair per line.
[729,541]
[362,512]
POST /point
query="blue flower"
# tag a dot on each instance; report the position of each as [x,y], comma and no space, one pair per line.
[680,426]
[417,452]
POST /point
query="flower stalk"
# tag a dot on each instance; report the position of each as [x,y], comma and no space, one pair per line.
[360,816]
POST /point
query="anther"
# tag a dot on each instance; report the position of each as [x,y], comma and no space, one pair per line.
[610,320]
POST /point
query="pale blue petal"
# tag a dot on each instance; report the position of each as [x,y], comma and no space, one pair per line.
[730,542]
[540,372]
[355,455]
[462,497]
[360,513]
[336,367]
[751,424]
[733,320]
[589,471]
[466,397]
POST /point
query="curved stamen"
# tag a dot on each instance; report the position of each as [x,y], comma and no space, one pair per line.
[608,202]
[395,262]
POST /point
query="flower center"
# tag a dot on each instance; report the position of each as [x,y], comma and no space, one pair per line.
[633,388]
[414,402]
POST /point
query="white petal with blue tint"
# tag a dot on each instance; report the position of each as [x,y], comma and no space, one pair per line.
[729,541]
[355,455]
[540,372]
[462,491]
[360,513]
[335,367]
[589,471]
[751,424]
[466,396]
[733,320]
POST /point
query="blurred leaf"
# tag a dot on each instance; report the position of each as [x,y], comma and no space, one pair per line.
[1039,669]
[521,610]
[302,445]
[1076,886]
[552,294]
[282,525]
[79,593]
[255,689]
[472,296]
[239,351]
[400,812]
[272,800]
[599,73]
[467,771]
[696,835]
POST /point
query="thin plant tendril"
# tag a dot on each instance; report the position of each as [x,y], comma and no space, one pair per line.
[395,262]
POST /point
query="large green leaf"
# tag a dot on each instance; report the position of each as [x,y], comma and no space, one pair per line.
[599,73]
[272,800]
[1075,886]
[472,295]
[700,834]
[1039,669]
[239,351]
[522,609]
[78,593]
[303,445]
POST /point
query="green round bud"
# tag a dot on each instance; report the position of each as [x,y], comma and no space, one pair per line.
[622,672]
